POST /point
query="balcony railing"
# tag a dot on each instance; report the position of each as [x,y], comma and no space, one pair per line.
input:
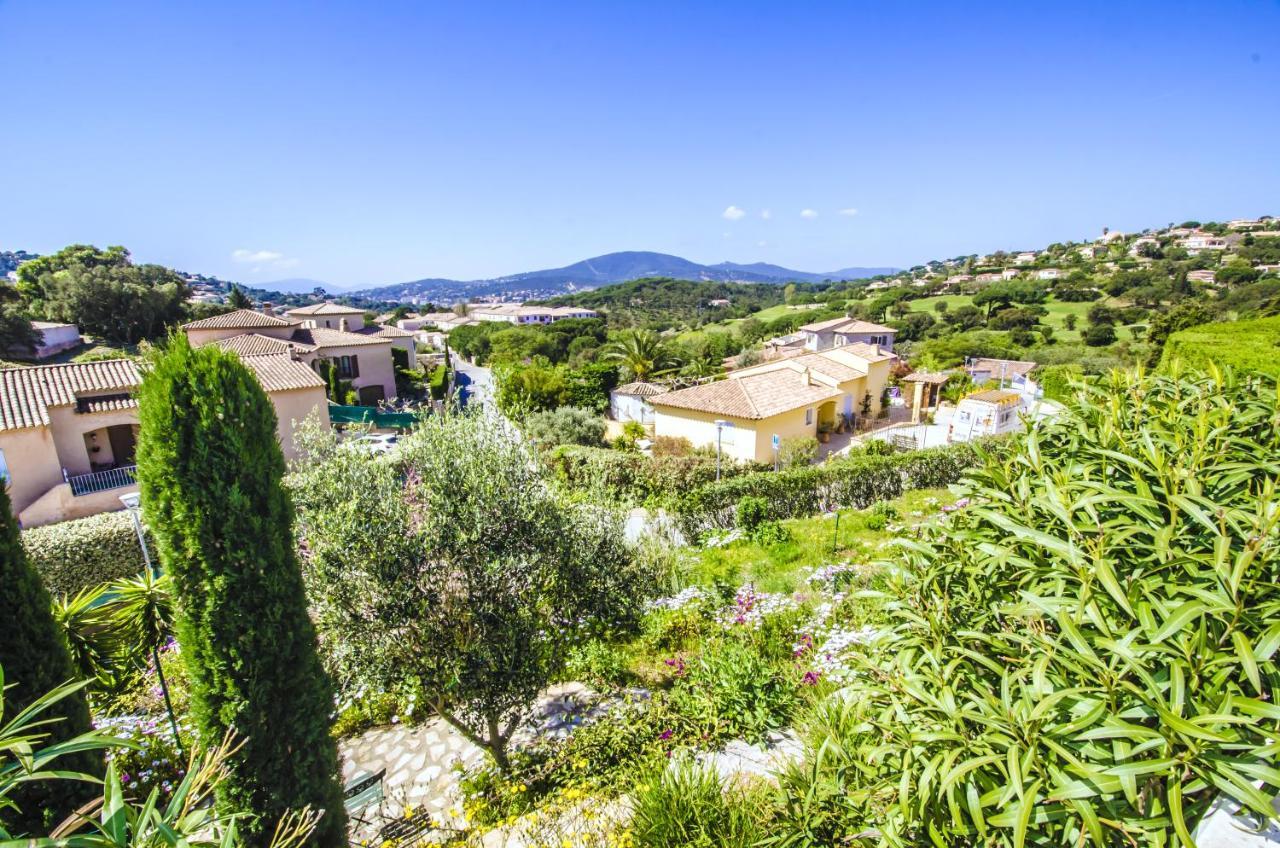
[100,481]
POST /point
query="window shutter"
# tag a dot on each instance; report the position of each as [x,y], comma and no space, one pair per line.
[355,366]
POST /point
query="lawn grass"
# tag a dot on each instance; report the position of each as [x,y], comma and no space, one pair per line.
[782,566]
[1057,311]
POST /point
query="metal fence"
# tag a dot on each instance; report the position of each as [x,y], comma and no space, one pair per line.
[100,481]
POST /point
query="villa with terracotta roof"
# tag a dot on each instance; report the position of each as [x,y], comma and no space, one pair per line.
[68,432]
[322,332]
[838,332]
[788,398]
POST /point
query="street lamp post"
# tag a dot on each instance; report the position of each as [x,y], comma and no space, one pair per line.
[720,424]
[132,503]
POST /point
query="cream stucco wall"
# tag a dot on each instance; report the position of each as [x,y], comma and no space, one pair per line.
[747,440]
[32,460]
[376,367]
[69,428]
[410,347]
[788,425]
[292,408]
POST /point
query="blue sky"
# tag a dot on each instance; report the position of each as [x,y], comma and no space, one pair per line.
[364,143]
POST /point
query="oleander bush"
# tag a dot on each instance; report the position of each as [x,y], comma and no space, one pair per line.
[76,555]
[1086,652]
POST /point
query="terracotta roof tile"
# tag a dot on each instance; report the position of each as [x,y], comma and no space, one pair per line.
[27,394]
[641,389]
[240,319]
[753,396]
[256,344]
[322,337]
[325,308]
[282,373]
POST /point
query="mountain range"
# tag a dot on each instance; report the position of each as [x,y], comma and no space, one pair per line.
[603,270]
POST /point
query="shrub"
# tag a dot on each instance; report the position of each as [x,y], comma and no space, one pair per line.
[1086,652]
[567,425]
[1058,381]
[672,446]
[732,691]
[857,481]
[628,476]
[209,472]
[34,660]
[82,554]
[685,805]
[797,451]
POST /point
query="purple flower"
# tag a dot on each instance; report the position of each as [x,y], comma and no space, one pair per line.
[811,678]
[665,735]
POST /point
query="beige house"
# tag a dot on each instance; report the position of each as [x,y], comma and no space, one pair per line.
[838,332]
[68,432]
[787,399]
[324,332]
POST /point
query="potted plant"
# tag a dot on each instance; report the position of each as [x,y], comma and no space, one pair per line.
[824,432]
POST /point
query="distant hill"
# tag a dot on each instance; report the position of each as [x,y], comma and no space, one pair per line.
[297,285]
[604,270]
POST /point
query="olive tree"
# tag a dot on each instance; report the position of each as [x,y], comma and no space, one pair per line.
[450,569]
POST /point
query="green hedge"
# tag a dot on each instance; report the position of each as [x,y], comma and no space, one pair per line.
[75,555]
[1057,380]
[1247,346]
[856,482]
[636,477]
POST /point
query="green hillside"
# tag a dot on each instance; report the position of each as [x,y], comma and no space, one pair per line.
[1244,345]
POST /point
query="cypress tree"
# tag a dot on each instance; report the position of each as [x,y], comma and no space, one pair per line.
[35,660]
[209,470]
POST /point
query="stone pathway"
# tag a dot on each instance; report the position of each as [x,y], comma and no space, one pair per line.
[420,759]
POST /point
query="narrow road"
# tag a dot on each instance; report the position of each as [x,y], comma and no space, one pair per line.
[474,382]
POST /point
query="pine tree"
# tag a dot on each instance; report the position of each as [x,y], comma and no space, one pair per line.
[209,470]
[35,660]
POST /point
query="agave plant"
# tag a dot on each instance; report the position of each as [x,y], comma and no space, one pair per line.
[86,623]
[1087,654]
[142,613]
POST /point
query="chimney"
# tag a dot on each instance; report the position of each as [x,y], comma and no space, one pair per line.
[267,307]
[342,325]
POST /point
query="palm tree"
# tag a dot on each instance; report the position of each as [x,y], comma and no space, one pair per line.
[640,353]
[142,611]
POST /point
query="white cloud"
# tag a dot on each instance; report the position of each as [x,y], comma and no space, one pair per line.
[243,255]
[766,214]
[734,213]
[849,213]
[263,260]
[809,213]
[762,244]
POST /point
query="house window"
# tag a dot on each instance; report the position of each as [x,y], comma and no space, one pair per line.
[4,469]
[880,340]
[348,367]
[808,416]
